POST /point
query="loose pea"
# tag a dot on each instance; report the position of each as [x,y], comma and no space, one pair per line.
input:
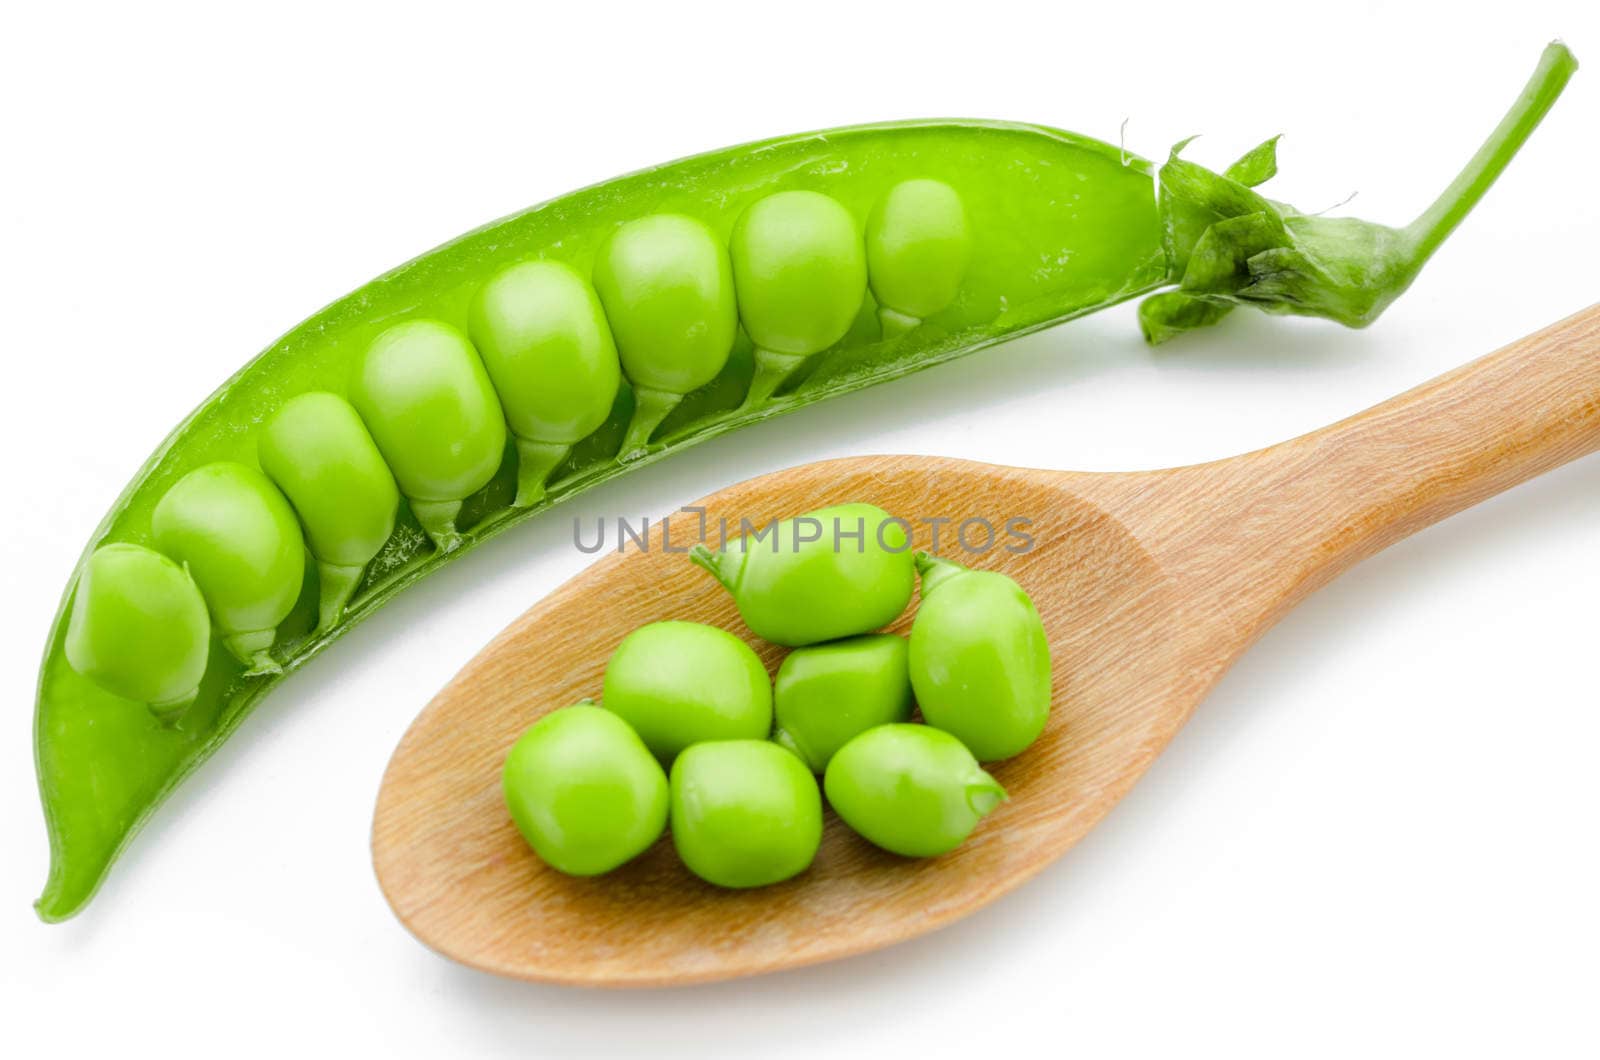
[320,455]
[832,573]
[667,289]
[745,813]
[678,683]
[548,349]
[910,789]
[584,790]
[828,694]
[139,628]
[980,663]
[917,252]
[801,274]
[428,402]
[239,538]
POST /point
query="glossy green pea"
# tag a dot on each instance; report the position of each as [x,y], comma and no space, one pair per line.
[667,289]
[139,628]
[320,455]
[910,789]
[980,663]
[918,247]
[548,349]
[828,694]
[428,402]
[584,790]
[745,813]
[678,683]
[801,274]
[831,573]
[240,540]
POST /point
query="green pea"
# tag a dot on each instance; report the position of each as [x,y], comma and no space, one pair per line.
[548,350]
[584,791]
[239,538]
[828,574]
[830,693]
[320,455]
[139,628]
[917,252]
[667,289]
[980,663]
[428,402]
[745,813]
[910,789]
[678,683]
[801,274]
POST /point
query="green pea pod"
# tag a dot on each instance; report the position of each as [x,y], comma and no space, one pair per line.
[1057,225]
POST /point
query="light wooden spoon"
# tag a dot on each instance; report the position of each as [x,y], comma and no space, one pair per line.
[1150,585]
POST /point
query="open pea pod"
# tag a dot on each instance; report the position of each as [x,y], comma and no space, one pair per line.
[451,398]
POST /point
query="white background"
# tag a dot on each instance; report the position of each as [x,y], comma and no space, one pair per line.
[1378,835]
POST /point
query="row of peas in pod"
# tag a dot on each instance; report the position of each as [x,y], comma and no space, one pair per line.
[691,732]
[429,408]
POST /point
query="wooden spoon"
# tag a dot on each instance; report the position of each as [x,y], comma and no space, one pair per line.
[1150,585]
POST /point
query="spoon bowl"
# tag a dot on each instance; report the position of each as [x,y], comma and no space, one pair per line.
[1150,584]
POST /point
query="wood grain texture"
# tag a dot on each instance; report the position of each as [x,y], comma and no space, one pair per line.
[1150,585]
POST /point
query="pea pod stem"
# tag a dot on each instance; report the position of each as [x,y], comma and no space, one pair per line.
[1434,225]
[535,462]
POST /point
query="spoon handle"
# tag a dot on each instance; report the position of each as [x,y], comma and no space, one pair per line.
[1263,530]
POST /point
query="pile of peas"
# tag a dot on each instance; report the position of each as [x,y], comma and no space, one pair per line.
[427,413]
[692,733]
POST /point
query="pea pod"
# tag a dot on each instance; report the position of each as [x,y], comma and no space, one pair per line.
[1058,226]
